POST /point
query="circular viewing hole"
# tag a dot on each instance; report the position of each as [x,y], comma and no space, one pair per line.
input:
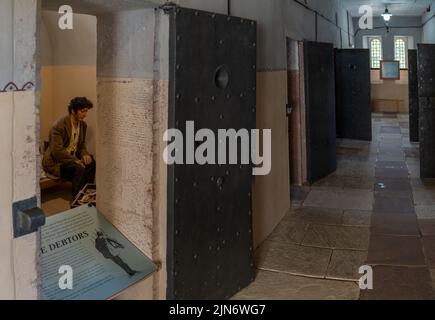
[222,77]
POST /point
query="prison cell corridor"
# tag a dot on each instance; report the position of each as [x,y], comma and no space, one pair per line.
[373,211]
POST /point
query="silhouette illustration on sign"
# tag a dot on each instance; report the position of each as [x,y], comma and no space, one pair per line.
[106,245]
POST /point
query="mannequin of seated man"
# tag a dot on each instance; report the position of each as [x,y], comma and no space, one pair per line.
[67,156]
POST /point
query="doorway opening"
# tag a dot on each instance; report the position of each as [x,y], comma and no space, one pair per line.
[68,70]
[122,65]
[296,121]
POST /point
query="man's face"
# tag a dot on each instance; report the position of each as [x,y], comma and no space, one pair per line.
[80,115]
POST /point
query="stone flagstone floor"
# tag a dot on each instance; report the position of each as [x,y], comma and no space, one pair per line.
[374,210]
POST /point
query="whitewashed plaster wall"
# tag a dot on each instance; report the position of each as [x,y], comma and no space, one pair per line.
[428,21]
[18,170]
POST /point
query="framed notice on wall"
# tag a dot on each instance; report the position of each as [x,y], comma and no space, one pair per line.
[390,70]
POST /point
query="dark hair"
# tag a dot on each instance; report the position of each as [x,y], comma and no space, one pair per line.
[79,103]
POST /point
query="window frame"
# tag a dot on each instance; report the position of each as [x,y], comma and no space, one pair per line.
[406,41]
[381,57]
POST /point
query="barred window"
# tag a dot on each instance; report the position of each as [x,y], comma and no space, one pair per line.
[400,52]
[375,46]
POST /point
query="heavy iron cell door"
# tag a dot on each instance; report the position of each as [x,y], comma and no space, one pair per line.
[213,84]
[320,110]
[353,94]
[413,96]
[426,98]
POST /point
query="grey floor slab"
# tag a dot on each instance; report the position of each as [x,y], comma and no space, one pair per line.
[425,212]
[299,193]
[400,283]
[427,227]
[337,237]
[316,215]
[427,184]
[293,259]
[358,182]
[296,204]
[345,264]
[357,218]
[353,143]
[395,143]
[396,139]
[424,197]
[289,232]
[414,171]
[392,184]
[429,250]
[406,143]
[392,165]
[332,181]
[279,286]
[351,150]
[385,156]
[394,194]
[388,147]
[346,199]
[395,251]
[369,157]
[345,182]
[390,129]
[394,224]
[393,205]
[412,152]
[355,168]
[391,173]
[390,136]
[412,162]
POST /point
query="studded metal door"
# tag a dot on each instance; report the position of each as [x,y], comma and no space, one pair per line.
[320,110]
[426,97]
[213,83]
[353,94]
[413,96]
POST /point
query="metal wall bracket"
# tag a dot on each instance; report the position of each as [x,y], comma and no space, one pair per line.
[27,217]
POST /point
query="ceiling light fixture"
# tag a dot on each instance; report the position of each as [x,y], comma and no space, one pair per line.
[387,15]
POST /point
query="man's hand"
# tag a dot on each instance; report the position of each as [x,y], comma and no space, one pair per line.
[80,163]
[87,160]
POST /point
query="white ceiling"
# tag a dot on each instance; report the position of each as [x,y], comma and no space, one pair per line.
[396,7]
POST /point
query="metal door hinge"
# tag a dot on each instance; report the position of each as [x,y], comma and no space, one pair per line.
[168,7]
